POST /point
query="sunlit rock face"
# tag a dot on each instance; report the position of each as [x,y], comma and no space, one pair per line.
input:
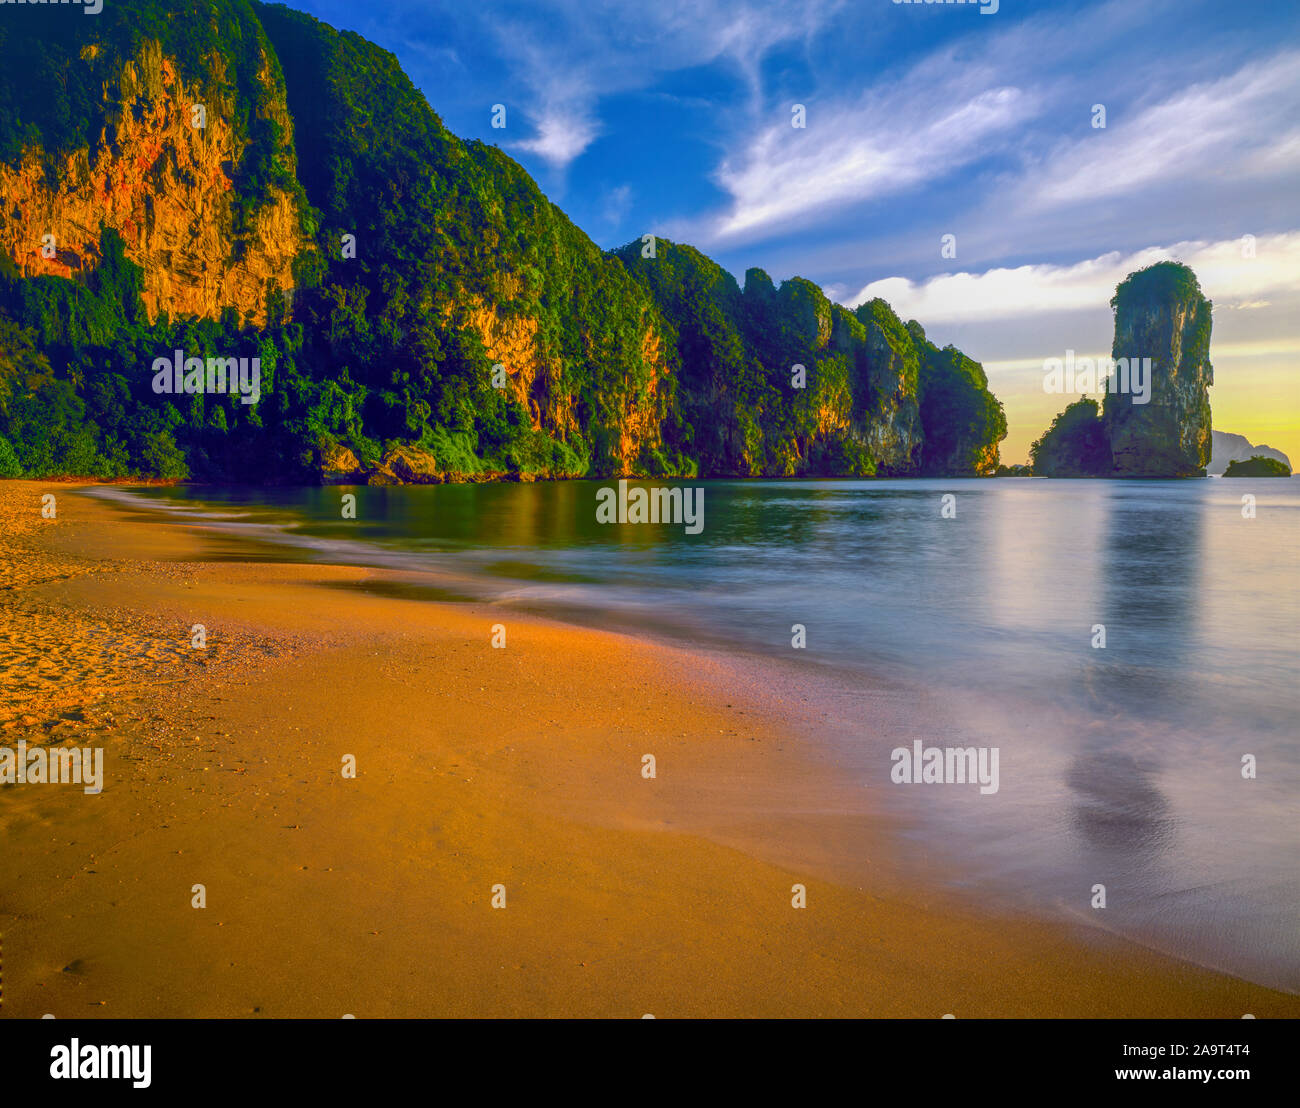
[162,174]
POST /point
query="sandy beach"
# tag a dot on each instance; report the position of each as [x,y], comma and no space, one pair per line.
[475,768]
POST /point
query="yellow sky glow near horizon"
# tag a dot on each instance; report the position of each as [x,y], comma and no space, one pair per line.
[1256,395]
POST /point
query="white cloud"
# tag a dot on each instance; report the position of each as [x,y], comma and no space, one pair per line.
[1240,125]
[560,138]
[790,175]
[1226,276]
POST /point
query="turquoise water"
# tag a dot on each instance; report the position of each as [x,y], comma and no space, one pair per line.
[1119,765]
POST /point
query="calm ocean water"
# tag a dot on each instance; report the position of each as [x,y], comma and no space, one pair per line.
[1119,766]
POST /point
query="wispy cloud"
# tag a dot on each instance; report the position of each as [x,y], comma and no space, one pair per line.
[790,176]
[615,208]
[572,54]
[974,129]
[910,127]
[1242,124]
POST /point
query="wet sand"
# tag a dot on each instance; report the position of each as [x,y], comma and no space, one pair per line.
[475,767]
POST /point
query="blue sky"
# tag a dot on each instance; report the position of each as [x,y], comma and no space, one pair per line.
[921,121]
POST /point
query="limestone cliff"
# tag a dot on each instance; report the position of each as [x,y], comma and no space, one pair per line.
[167,187]
[962,422]
[779,381]
[828,419]
[1160,314]
[1156,423]
[895,435]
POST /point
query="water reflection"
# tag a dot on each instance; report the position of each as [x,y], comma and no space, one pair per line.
[1117,808]
[1147,609]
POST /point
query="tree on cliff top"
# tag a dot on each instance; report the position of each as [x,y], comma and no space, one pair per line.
[1159,282]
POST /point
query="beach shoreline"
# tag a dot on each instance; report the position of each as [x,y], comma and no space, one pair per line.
[477,770]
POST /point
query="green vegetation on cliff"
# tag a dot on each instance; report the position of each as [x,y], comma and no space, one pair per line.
[1155,284]
[1258,466]
[746,408]
[963,422]
[446,322]
[1075,445]
[53,101]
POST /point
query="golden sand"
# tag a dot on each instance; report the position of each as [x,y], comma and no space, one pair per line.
[476,768]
